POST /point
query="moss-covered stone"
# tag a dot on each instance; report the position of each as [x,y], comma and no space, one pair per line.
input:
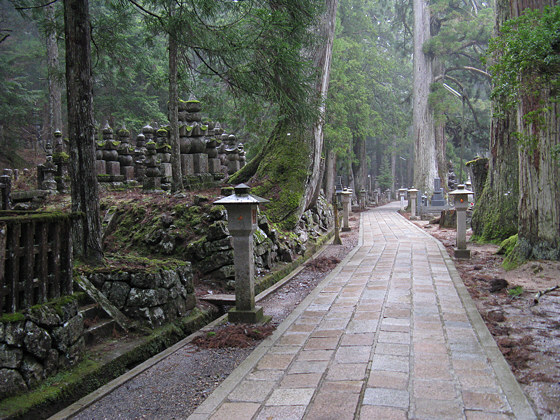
[11,318]
[512,249]
[67,387]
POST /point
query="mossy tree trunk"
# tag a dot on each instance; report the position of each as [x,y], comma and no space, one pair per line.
[321,56]
[539,180]
[495,213]
[86,231]
[478,170]
[289,169]
[330,173]
[281,174]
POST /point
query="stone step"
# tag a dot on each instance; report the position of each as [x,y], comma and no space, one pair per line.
[98,325]
[100,331]
[219,299]
[92,311]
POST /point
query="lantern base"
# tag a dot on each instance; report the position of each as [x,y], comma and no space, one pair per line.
[462,254]
[248,317]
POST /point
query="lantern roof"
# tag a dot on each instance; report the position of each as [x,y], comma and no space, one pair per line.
[241,195]
[461,189]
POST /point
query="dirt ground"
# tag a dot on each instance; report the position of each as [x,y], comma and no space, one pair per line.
[526,329]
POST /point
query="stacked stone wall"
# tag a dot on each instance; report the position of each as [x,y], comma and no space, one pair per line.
[38,342]
[153,297]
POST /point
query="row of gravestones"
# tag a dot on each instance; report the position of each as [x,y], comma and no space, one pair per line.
[205,150]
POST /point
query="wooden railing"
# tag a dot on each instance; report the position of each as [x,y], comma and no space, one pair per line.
[35,258]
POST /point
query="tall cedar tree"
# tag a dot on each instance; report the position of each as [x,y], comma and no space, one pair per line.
[81,132]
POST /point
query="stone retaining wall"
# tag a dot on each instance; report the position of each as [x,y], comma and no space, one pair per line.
[155,297]
[39,342]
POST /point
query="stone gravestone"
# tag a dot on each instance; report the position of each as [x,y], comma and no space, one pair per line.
[437,198]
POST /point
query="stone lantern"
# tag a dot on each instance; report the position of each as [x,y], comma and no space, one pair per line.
[402,195]
[346,196]
[242,222]
[413,196]
[461,199]
[362,199]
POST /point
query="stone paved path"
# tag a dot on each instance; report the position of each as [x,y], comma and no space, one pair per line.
[390,334]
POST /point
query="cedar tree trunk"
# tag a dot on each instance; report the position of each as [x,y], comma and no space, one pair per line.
[86,231]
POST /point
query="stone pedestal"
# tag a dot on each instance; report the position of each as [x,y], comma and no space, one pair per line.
[214,165]
[100,167]
[346,196]
[112,168]
[200,161]
[362,199]
[461,199]
[187,165]
[127,172]
[437,198]
[166,170]
[412,196]
[233,166]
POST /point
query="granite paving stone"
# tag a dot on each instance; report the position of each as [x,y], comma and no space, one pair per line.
[389,334]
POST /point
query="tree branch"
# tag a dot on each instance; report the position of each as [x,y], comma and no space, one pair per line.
[36,7]
[468,68]
[139,6]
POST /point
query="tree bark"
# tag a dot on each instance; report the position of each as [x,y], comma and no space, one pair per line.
[521,193]
[425,166]
[539,181]
[86,231]
[359,164]
[53,74]
[177,184]
[321,60]
[441,154]
[394,166]
[330,173]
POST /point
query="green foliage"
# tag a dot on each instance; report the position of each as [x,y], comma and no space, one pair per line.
[460,36]
[385,177]
[526,57]
[22,71]
[369,85]
[515,291]
[13,317]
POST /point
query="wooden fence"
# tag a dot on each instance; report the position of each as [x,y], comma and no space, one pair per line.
[35,258]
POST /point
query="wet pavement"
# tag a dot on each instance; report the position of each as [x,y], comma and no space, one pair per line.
[391,333]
